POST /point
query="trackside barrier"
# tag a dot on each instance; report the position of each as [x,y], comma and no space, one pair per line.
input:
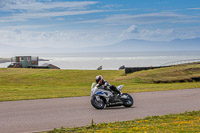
[135,69]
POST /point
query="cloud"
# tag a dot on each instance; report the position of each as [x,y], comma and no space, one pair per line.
[156,34]
[139,18]
[33,5]
[93,23]
[26,27]
[193,8]
[20,36]
[53,14]
[17,31]
[165,34]
[25,16]
[60,19]
[69,38]
[22,10]
[133,32]
[132,29]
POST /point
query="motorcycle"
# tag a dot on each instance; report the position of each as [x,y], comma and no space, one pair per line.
[101,98]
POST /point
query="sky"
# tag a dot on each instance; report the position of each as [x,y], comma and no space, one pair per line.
[85,23]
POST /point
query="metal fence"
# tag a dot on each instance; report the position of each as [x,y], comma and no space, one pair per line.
[174,63]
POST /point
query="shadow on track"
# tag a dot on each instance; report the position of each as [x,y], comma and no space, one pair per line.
[117,108]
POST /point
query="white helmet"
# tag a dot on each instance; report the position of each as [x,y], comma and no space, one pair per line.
[99,79]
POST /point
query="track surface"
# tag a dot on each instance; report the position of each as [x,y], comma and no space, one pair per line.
[43,115]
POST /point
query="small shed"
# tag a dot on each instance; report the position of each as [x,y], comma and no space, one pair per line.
[50,66]
[25,61]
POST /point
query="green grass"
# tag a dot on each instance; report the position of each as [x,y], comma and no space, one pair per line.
[19,84]
[180,73]
[22,84]
[188,122]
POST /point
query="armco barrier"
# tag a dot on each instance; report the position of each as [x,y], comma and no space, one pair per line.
[135,69]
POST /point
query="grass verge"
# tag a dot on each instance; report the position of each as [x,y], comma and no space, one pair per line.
[23,84]
[188,122]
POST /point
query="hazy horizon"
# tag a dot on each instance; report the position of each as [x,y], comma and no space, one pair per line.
[112,61]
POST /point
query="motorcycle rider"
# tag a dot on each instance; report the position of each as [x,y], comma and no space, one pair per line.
[103,84]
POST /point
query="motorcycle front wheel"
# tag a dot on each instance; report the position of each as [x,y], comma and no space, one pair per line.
[97,103]
[129,101]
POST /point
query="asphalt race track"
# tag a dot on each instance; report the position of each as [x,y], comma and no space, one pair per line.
[46,114]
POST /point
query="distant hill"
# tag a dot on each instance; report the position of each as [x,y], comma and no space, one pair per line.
[123,46]
[138,45]
[7,49]
[186,44]
[143,45]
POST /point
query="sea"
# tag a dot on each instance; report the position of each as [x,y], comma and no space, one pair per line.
[112,60]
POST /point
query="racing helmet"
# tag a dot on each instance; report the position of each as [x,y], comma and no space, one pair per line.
[99,79]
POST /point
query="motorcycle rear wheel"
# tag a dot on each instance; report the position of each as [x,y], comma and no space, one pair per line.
[128,102]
